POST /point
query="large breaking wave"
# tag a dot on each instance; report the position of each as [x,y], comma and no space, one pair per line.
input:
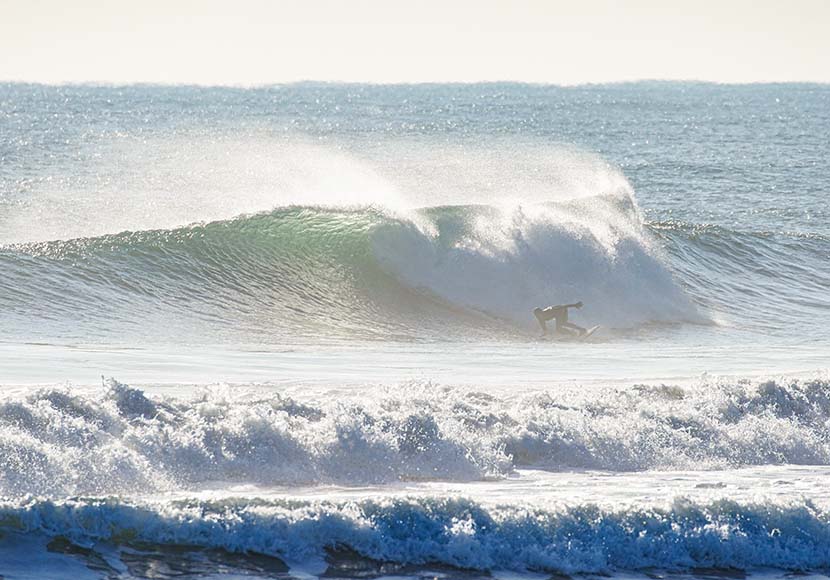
[317,271]
[291,241]
[288,241]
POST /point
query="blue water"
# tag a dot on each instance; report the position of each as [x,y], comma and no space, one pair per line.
[322,294]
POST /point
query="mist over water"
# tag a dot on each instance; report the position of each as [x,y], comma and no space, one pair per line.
[334,242]
[312,305]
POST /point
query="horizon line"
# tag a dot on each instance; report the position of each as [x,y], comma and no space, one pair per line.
[265,85]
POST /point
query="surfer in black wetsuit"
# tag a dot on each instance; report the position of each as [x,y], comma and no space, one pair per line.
[560,315]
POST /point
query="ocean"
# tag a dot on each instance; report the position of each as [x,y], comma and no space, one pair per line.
[288,331]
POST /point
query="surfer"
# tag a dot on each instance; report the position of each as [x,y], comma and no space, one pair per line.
[560,315]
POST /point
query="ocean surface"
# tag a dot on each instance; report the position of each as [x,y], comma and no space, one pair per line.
[287,332]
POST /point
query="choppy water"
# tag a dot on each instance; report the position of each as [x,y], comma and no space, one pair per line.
[318,298]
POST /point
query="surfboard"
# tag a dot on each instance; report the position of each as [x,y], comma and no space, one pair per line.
[588,332]
[569,337]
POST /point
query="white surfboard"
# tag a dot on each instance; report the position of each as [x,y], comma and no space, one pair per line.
[569,337]
[589,332]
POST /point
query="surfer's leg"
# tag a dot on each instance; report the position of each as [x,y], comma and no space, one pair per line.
[563,328]
[537,312]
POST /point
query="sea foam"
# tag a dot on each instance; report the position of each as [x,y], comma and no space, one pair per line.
[454,531]
[122,440]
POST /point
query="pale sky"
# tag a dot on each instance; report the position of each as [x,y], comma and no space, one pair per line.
[250,42]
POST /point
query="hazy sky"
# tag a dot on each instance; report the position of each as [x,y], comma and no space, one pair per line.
[256,41]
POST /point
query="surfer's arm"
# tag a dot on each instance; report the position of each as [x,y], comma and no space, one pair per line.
[574,305]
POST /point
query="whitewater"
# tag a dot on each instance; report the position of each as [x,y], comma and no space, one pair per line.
[288,332]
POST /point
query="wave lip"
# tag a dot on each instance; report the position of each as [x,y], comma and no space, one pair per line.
[456,531]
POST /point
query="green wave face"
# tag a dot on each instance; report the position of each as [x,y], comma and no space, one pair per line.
[298,271]
[324,273]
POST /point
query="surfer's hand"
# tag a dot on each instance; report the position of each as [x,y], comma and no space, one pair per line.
[579,304]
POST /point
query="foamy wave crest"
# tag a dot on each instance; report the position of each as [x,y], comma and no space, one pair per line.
[506,260]
[55,443]
[457,532]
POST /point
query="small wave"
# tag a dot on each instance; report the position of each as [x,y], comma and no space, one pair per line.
[764,280]
[56,443]
[454,531]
